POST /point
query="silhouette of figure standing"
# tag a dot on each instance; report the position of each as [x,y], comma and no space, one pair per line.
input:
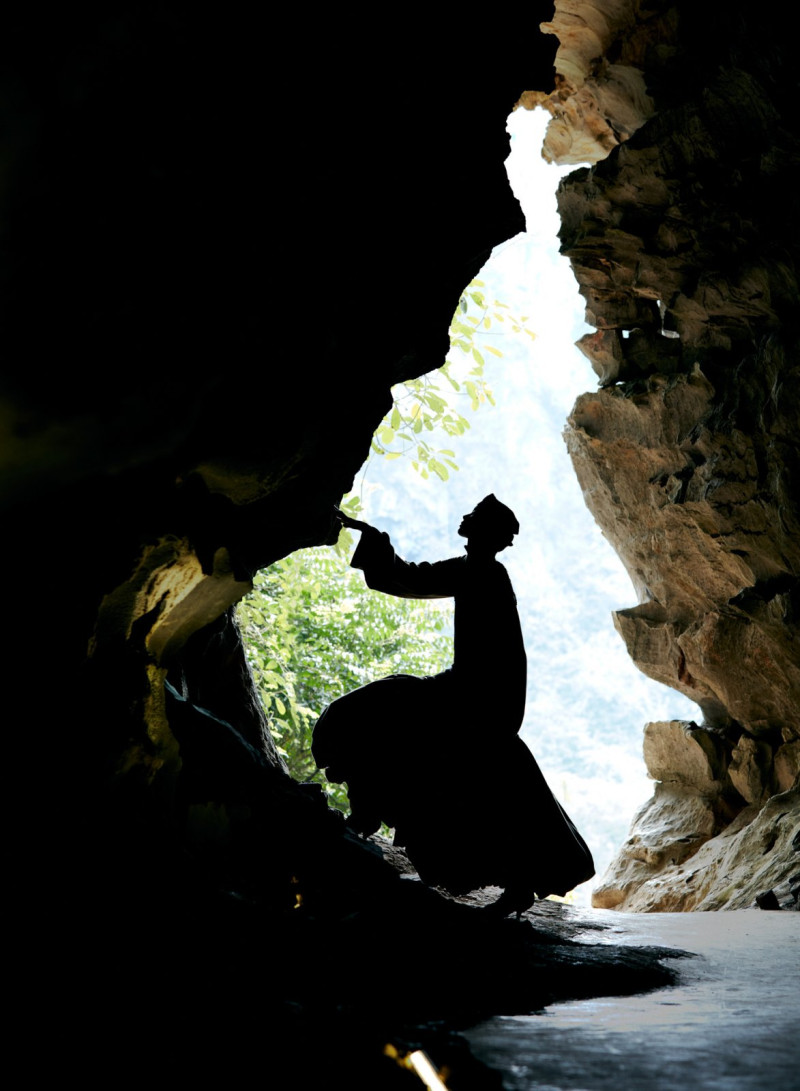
[439,758]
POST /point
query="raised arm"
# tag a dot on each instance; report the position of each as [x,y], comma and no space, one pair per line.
[385,571]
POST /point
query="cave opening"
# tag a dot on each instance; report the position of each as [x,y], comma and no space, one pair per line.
[587,702]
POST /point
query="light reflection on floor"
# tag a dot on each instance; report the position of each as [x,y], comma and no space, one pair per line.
[732,1023]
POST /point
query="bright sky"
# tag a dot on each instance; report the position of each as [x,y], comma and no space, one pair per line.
[587,702]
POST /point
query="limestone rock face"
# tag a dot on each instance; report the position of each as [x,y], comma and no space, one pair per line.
[684,239]
[598,103]
[787,766]
[665,832]
[685,755]
[753,855]
[707,792]
[712,559]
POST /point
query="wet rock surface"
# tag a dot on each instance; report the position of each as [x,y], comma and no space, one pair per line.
[730,1021]
[351,957]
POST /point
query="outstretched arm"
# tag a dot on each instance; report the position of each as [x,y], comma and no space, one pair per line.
[385,571]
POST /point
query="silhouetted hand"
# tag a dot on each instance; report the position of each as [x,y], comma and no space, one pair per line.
[350,523]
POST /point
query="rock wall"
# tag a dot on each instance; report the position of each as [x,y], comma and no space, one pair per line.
[684,239]
[212,275]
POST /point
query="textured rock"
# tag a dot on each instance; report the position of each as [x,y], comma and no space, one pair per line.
[693,845]
[685,755]
[750,768]
[787,766]
[692,803]
[667,830]
[597,103]
[753,854]
[684,239]
[707,554]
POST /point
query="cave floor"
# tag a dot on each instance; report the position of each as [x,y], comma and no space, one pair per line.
[731,1022]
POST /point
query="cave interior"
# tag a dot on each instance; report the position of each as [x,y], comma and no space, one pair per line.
[225,238]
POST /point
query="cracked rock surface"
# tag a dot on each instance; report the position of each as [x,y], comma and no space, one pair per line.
[684,239]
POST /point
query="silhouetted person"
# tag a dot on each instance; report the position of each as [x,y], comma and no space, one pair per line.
[438,758]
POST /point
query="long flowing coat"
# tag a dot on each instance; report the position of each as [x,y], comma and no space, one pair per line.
[439,758]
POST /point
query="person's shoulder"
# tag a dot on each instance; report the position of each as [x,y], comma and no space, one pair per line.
[453,567]
[451,564]
[490,565]
[502,577]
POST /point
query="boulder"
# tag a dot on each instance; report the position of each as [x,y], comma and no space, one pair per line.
[682,754]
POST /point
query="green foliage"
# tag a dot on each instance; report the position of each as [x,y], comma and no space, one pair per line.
[313,631]
[432,403]
[425,408]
